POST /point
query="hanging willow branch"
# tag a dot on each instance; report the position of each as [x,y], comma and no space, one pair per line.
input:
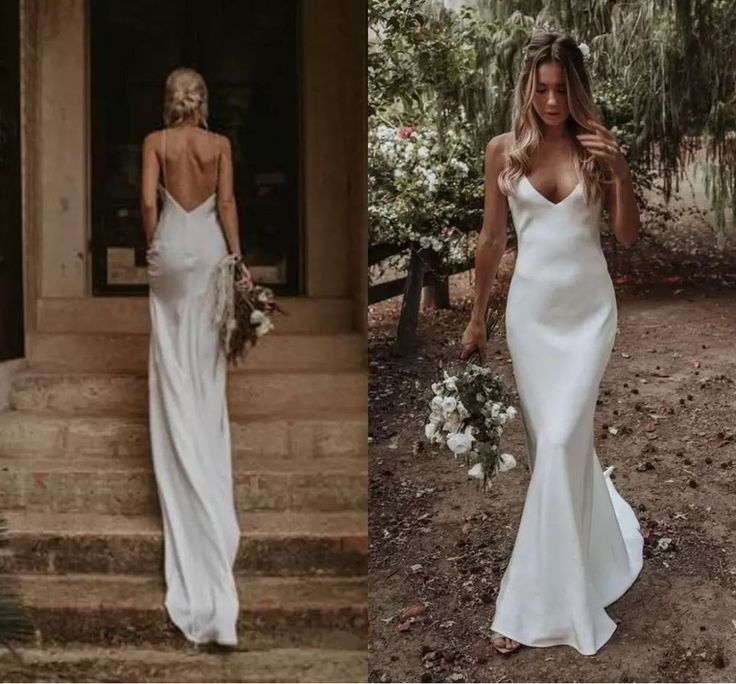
[664,74]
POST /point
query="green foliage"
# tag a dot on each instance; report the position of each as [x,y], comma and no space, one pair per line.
[664,74]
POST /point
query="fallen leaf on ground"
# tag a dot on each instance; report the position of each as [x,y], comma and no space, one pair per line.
[412,611]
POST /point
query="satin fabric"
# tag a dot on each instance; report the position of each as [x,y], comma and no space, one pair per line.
[190,434]
[579,546]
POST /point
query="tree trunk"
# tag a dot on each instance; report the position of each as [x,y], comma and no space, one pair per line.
[406,333]
[436,292]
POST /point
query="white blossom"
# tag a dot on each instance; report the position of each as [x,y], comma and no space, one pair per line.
[460,443]
[257,317]
[476,471]
[449,404]
[506,462]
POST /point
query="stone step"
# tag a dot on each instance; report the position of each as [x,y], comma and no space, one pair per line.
[340,435]
[125,352]
[275,544]
[127,486]
[79,663]
[249,394]
[274,612]
[323,315]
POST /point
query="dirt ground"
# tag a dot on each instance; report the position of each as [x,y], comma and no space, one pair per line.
[439,545]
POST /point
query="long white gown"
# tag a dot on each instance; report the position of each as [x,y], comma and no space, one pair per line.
[579,546]
[190,433]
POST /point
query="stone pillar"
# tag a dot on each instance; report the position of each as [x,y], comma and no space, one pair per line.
[334,122]
[62,140]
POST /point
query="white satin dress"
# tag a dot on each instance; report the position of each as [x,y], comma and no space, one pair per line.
[190,433]
[579,546]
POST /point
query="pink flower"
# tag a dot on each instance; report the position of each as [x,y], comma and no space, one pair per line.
[405,131]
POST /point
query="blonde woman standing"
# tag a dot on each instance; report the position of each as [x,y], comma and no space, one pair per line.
[578,547]
[190,435]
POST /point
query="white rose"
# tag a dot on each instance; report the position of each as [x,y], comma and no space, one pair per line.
[423,152]
[476,471]
[257,317]
[450,382]
[506,462]
[449,404]
[585,50]
[459,443]
[264,328]
[430,430]
[436,403]
[511,412]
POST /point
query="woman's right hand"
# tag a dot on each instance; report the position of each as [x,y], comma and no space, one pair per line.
[245,279]
[474,338]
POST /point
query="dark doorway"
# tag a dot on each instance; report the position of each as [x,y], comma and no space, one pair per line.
[11,224]
[247,50]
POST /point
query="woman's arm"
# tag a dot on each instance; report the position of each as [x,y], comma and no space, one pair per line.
[622,208]
[620,199]
[491,245]
[149,180]
[227,209]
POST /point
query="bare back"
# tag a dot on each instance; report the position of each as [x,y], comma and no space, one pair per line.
[189,160]
[191,165]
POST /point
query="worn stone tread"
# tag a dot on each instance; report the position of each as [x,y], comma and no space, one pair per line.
[255,393]
[255,524]
[114,610]
[77,662]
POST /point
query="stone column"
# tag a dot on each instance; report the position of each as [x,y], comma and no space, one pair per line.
[62,148]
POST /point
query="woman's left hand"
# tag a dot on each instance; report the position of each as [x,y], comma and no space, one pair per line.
[604,145]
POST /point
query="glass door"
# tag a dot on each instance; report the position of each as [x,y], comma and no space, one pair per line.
[247,50]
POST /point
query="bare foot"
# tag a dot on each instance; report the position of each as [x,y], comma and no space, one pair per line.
[503,644]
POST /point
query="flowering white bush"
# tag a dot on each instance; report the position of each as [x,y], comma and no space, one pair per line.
[468,412]
[423,189]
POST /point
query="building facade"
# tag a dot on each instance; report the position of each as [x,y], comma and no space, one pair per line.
[81,83]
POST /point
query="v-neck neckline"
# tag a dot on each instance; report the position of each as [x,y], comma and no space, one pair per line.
[546,199]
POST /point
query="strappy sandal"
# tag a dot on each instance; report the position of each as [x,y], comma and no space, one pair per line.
[498,637]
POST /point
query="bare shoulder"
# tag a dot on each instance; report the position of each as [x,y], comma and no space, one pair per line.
[152,139]
[223,142]
[499,144]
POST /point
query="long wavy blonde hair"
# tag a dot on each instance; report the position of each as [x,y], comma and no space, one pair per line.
[527,133]
[185,98]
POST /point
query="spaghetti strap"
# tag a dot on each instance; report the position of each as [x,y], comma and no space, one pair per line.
[217,163]
[163,157]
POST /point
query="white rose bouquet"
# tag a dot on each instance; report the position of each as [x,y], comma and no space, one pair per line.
[468,412]
[243,309]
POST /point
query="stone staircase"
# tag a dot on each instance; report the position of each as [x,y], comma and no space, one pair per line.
[78,492]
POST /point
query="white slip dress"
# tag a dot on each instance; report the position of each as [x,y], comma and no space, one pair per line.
[189,428]
[579,545]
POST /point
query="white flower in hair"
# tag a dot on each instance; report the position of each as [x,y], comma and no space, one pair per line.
[585,50]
